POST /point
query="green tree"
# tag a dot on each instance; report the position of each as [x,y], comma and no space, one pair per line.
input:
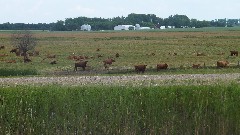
[181,21]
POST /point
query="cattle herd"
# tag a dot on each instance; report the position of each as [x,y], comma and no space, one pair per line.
[82,60]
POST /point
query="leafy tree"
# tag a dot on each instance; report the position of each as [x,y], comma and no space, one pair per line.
[193,23]
[59,26]
[180,21]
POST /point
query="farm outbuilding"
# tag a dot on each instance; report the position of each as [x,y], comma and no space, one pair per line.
[86,27]
[167,27]
[124,27]
[138,27]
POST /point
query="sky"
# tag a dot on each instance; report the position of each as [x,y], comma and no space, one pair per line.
[48,11]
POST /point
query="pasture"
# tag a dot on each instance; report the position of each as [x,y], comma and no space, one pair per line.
[179,48]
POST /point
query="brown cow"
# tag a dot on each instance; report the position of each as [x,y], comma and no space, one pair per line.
[140,68]
[162,66]
[222,63]
[196,65]
[234,53]
[82,64]
[108,62]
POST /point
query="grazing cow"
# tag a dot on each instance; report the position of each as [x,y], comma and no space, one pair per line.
[53,62]
[108,62]
[82,64]
[162,66]
[140,68]
[234,53]
[98,49]
[222,63]
[196,65]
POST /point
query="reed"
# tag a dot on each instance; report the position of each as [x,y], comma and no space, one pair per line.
[120,110]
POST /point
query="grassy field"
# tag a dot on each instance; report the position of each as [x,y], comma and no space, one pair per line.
[134,47]
[120,110]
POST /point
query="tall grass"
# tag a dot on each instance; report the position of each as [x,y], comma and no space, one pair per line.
[120,110]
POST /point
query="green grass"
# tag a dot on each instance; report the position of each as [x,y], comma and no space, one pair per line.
[120,110]
[17,72]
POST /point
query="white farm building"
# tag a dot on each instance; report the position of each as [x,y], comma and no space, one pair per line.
[86,27]
[131,27]
[124,27]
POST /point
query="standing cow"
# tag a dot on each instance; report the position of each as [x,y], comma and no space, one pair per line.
[81,64]
[222,64]
[108,62]
[162,66]
[140,68]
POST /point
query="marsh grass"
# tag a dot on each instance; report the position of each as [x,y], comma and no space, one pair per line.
[120,110]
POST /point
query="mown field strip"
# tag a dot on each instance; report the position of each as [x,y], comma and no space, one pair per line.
[134,80]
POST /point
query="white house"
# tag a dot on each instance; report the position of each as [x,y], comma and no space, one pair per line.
[124,27]
[86,27]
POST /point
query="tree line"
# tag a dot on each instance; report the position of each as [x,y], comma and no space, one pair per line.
[146,20]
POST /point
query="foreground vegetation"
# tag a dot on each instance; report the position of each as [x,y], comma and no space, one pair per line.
[120,110]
